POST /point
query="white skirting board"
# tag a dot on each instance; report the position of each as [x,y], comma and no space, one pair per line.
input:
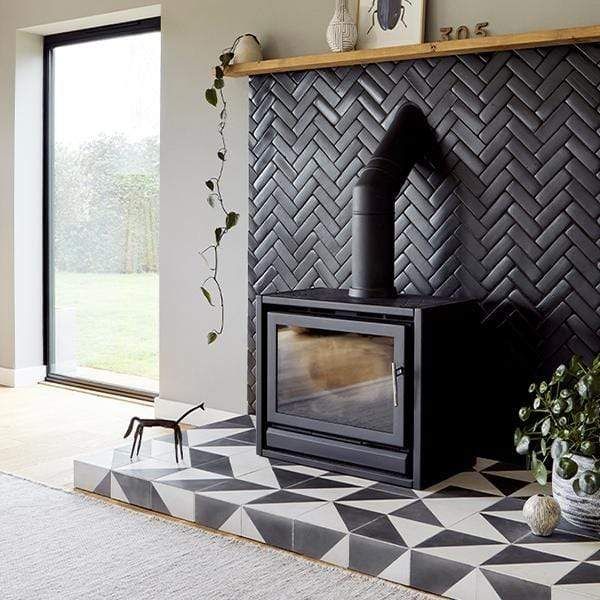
[22,377]
[171,409]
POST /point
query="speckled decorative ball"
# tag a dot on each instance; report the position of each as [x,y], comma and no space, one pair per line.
[542,514]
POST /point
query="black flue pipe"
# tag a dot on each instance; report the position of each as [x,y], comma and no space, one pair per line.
[406,141]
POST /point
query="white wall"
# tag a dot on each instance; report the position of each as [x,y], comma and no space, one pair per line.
[194,32]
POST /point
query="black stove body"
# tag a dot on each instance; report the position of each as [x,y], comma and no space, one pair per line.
[381,389]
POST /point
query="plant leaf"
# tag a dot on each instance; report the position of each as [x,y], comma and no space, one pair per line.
[219,73]
[207,295]
[540,473]
[221,155]
[210,184]
[231,220]
[523,445]
[546,424]
[559,449]
[218,234]
[211,96]
[219,84]
[212,337]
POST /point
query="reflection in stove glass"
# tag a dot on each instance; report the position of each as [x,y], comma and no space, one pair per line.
[336,377]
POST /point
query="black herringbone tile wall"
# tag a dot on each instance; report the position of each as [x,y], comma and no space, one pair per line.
[509,214]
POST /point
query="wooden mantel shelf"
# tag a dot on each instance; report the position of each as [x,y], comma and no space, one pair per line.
[550,37]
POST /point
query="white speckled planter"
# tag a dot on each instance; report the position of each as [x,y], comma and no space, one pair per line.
[582,512]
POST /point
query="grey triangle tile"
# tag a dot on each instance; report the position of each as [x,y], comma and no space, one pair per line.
[355,517]
[103,488]
[240,421]
[507,504]
[157,503]
[595,556]
[511,588]
[506,485]
[369,494]
[383,530]
[455,538]
[212,512]
[511,530]
[417,511]
[435,574]
[246,437]
[322,483]
[274,529]
[582,574]
[372,556]
[220,466]
[454,491]
[558,536]
[283,496]
[513,555]
[314,541]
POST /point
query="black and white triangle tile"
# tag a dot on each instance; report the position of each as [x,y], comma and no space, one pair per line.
[464,538]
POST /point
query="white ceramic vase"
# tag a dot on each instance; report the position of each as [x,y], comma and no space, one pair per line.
[582,511]
[542,514]
[342,33]
[247,49]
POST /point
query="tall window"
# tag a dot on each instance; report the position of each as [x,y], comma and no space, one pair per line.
[102,116]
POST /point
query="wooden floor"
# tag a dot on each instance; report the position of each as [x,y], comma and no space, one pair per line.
[43,428]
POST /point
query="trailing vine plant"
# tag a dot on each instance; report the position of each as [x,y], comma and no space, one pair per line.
[214,95]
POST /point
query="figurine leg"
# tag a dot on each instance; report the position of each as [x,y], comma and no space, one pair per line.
[180,435]
[140,440]
[135,437]
[176,441]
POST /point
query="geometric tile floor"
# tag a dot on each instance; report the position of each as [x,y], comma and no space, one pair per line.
[463,538]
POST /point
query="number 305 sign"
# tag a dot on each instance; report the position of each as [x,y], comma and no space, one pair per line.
[463,32]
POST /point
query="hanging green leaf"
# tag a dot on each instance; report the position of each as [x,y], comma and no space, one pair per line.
[231,220]
[219,74]
[219,84]
[211,96]
[207,295]
[212,337]
[218,234]
[210,184]
[221,155]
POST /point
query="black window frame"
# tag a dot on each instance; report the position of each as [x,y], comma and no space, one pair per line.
[50,43]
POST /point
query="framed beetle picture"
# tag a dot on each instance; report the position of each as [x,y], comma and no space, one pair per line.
[390,23]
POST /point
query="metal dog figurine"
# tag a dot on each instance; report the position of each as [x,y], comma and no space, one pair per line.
[168,424]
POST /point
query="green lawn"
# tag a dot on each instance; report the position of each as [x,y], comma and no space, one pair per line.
[117,320]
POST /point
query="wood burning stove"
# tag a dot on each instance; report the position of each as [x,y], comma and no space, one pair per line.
[374,388]
[363,381]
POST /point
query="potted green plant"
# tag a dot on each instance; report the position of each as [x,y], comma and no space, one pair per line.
[562,425]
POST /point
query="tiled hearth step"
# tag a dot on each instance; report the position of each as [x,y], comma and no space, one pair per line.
[464,538]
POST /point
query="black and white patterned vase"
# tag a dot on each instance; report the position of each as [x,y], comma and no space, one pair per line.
[581,511]
[542,514]
[342,33]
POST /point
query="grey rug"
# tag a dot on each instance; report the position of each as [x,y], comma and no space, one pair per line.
[58,545]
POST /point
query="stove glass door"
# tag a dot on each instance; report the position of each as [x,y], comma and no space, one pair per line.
[337,376]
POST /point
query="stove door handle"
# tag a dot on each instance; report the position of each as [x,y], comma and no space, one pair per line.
[396,371]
